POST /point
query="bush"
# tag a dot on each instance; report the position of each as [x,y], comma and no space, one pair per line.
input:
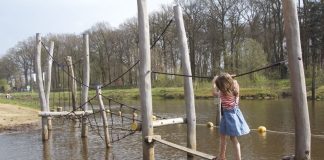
[4,86]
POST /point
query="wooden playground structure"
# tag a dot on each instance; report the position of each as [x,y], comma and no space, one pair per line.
[147,123]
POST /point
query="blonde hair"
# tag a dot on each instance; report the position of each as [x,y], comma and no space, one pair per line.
[225,84]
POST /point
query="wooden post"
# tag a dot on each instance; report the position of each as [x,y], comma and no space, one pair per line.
[104,117]
[86,82]
[188,88]
[39,80]
[73,86]
[145,79]
[59,109]
[48,82]
[298,87]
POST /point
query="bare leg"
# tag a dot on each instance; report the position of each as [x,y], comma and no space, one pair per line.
[222,147]
[237,148]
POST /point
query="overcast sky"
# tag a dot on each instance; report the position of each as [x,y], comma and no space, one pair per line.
[20,19]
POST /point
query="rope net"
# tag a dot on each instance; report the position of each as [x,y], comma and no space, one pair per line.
[66,93]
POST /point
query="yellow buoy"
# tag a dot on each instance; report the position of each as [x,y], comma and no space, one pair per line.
[154,118]
[262,129]
[210,125]
[135,126]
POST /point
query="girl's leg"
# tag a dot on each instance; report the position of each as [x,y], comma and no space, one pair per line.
[237,148]
[222,147]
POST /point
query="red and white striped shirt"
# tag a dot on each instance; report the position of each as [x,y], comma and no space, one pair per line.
[229,101]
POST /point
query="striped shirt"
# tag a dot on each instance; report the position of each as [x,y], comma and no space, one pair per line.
[229,101]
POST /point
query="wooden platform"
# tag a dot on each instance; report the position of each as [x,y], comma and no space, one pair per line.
[182,148]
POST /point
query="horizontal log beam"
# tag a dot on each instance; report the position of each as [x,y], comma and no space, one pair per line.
[64,113]
[164,122]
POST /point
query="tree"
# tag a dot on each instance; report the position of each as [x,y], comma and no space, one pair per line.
[251,49]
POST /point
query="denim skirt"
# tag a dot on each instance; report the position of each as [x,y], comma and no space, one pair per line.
[233,123]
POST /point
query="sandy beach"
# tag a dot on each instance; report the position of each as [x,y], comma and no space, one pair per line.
[17,118]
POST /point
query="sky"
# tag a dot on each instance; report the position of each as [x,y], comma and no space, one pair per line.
[20,19]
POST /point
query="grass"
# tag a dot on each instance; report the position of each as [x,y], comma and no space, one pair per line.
[265,90]
[25,99]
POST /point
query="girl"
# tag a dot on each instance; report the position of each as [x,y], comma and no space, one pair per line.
[232,123]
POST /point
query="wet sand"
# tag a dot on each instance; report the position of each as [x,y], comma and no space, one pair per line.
[17,118]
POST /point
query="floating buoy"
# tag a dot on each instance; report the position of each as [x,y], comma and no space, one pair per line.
[134,114]
[210,125]
[135,126]
[107,111]
[262,129]
[153,118]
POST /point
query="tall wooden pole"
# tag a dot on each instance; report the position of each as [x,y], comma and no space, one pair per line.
[86,82]
[188,87]
[39,80]
[298,87]
[104,117]
[73,86]
[145,79]
[48,81]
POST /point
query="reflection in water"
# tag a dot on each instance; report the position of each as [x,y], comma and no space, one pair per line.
[47,147]
[107,154]
[276,115]
[84,150]
[46,151]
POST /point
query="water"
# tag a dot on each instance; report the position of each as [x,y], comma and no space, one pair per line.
[276,115]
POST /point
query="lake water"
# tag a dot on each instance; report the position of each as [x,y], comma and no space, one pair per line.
[276,115]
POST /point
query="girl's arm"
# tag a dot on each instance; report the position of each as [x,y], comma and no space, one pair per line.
[214,88]
[236,87]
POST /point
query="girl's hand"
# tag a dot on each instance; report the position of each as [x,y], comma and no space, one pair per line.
[214,81]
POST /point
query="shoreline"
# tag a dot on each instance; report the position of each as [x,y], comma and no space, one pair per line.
[15,118]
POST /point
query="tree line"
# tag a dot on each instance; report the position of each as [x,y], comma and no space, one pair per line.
[223,35]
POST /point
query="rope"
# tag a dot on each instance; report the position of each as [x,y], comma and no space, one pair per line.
[271,131]
[183,75]
[136,109]
[120,138]
[269,66]
[97,126]
[110,99]
[153,45]
[81,83]
[81,106]
[105,85]
[62,67]
[207,77]
[159,37]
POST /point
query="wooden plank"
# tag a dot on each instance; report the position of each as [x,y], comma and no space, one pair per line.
[182,148]
[165,122]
